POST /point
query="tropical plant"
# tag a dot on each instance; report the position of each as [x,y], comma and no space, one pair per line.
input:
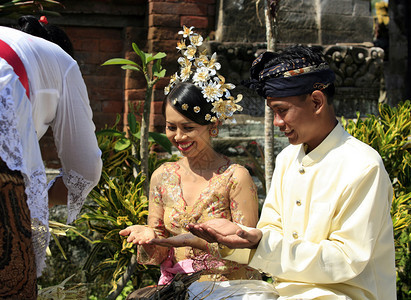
[390,134]
[119,200]
[61,291]
[153,71]
[117,204]
[119,148]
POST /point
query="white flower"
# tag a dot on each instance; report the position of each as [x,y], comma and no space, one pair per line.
[213,65]
[212,91]
[213,86]
[181,45]
[186,73]
[225,87]
[173,78]
[202,59]
[190,52]
[184,62]
[224,109]
[196,40]
[186,31]
[167,90]
[201,76]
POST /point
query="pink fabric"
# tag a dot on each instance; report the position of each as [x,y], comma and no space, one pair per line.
[168,270]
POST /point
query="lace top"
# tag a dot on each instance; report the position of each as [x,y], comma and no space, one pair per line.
[58,98]
[227,195]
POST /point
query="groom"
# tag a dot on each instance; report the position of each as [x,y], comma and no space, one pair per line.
[325,230]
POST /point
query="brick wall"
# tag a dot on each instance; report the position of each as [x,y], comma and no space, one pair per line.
[101,30]
[165,20]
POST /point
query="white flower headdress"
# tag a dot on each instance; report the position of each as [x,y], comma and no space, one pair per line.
[201,70]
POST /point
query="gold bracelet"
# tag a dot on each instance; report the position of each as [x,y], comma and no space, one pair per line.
[224,250]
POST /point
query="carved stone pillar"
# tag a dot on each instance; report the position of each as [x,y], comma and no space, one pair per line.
[359,74]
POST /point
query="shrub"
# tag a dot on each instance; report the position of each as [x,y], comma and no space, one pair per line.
[118,201]
[389,134]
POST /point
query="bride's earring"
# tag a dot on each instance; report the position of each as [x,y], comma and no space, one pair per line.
[213,132]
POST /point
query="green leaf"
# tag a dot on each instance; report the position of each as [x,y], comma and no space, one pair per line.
[122,144]
[159,55]
[110,132]
[140,53]
[133,68]
[161,139]
[56,240]
[132,123]
[119,61]
[160,74]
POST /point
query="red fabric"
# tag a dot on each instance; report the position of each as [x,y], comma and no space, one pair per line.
[8,54]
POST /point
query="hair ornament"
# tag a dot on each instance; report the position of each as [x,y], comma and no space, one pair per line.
[43,20]
[196,66]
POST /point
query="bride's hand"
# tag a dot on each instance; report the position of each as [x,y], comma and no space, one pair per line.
[138,234]
[181,240]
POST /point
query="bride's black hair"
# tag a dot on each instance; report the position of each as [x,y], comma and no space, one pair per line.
[188,100]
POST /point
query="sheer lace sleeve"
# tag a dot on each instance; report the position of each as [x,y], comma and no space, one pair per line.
[154,255]
[243,198]
[76,142]
[20,150]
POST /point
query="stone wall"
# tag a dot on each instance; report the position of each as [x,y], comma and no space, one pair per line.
[398,65]
[322,22]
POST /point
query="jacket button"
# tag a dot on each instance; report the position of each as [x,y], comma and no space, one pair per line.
[298,202]
[301,170]
[295,235]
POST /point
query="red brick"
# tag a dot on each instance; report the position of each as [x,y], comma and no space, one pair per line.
[164,20]
[102,119]
[95,106]
[110,45]
[156,33]
[96,33]
[84,44]
[102,94]
[158,95]
[87,57]
[166,46]
[131,55]
[169,1]
[211,10]
[133,34]
[135,83]
[134,94]
[157,107]
[112,106]
[202,1]
[162,83]
[109,70]
[197,22]
[138,106]
[156,120]
[190,9]
[108,82]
